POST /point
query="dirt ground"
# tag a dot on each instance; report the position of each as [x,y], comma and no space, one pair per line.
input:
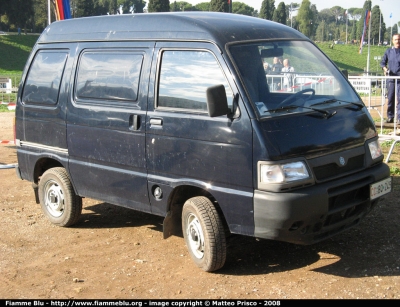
[114,253]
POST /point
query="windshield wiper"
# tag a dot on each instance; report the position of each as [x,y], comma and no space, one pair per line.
[326,113]
[359,105]
[325,102]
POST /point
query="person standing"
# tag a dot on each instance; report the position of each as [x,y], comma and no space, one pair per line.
[277,65]
[276,70]
[391,66]
[267,68]
[288,75]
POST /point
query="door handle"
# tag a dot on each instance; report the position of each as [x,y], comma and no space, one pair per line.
[134,122]
[156,121]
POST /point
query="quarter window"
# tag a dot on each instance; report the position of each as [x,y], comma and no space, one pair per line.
[184,78]
[42,85]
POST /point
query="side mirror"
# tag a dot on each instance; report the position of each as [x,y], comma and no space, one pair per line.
[217,102]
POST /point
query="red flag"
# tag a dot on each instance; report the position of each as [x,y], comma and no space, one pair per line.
[366,19]
[60,9]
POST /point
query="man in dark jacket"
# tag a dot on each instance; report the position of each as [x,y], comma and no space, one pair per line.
[391,66]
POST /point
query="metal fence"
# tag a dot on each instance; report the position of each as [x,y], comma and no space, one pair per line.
[9,89]
[294,82]
[373,89]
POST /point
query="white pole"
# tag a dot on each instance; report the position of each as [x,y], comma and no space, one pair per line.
[380,17]
[369,36]
[48,12]
[346,25]
[391,30]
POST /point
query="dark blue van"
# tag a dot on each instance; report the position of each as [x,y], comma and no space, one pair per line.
[173,114]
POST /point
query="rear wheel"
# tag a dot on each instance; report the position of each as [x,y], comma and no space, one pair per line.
[204,233]
[58,199]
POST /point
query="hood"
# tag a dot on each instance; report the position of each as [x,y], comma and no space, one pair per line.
[311,135]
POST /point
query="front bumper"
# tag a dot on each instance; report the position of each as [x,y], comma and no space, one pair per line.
[315,213]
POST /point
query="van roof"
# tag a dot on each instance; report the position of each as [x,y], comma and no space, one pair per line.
[220,28]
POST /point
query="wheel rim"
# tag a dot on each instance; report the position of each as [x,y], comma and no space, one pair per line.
[54,198]
[195,236]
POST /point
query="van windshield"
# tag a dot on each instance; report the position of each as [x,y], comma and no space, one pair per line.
[285,77]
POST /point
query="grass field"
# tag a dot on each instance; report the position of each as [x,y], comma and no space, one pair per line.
[348,57]
[15,49]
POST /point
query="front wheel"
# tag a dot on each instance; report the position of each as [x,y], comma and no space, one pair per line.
[58,199]
[204,233]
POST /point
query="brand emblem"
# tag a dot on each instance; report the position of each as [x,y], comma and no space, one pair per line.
[342,161]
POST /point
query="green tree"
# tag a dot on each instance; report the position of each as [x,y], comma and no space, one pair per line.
[242,9]
[181,6]
[394,31]
[219,6]
[41,19]
[84,8]
[354,13]
[326,15]
[360,23]
[290,9]
[267,9]
[280,14]
[376,24]
[203,6]
[174,7]
[353,34]
[158,6]
[20,13]
[132,6]
[337,11]
[305,18]
[314,21]
[113,7]
[321,31]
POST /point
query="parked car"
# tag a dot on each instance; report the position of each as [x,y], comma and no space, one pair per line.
[172,114]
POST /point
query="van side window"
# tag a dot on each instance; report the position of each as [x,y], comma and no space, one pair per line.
[109,75]
[184,78]
[43,88]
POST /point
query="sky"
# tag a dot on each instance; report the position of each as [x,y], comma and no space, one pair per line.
[387,6]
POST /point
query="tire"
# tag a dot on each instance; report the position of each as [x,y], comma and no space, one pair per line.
[204,233]
[58,199]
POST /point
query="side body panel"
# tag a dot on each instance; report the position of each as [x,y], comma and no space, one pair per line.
[40,121]
[106,136]
[189,148]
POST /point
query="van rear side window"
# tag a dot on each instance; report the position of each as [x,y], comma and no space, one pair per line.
[109,75]
[43,88]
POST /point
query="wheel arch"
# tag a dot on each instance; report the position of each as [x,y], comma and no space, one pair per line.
[42,165]
[172,224]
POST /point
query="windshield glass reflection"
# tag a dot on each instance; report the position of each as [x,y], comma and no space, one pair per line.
[280,74]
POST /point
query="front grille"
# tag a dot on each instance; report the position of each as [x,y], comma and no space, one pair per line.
[332,170]
[346,209]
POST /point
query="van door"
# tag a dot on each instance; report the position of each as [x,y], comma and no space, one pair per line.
[106,116]
[186,147]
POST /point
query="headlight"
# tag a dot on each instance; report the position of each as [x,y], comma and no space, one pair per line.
[375,149]
[281,173]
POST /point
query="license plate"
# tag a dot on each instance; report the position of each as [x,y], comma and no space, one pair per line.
[380,188]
